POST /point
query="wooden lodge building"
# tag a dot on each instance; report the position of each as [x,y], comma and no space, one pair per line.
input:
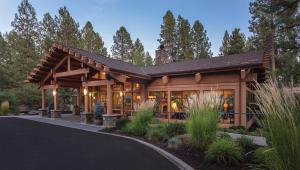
[120,85]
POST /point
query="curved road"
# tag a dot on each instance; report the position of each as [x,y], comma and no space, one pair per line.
[29,145]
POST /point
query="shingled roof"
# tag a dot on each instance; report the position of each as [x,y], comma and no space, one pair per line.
[235,61]
[210,64]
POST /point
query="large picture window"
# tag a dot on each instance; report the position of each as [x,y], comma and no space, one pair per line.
[161,100]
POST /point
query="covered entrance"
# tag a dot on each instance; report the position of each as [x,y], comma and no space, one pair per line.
[94,78]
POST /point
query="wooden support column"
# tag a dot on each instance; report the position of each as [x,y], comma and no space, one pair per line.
[86,101]
[43,99]
[243,104]
[143,93]
[109,99]
[169,105]
[55,98]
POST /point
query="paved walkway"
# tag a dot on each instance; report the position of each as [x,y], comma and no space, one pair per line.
[64,122]
[30,145]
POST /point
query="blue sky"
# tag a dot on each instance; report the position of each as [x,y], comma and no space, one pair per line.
[142,18]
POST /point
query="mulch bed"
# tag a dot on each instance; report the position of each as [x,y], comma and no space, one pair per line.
[192,156]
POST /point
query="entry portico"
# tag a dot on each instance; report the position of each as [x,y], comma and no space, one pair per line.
[120,85]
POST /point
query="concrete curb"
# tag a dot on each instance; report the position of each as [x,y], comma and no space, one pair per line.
[178,162]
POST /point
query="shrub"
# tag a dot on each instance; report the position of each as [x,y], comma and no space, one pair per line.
[4,108]
[223,135]
[156,133]
[140,122]
[122,122]
[280,120]
[174,129]
[261,160]
[245,143]
[202,122]
[224,151]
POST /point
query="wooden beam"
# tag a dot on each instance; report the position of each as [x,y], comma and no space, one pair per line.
[165,80]
[121,78]
[198,77]
[69,84]
[69,63]
[71,73]
[84,58]
[99,65]
[54,69]
[98,83]
[50,86]
[39,71]
[92,62]
[77,55]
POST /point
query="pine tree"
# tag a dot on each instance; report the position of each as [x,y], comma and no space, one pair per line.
[148,59]
[25,23]
[68,29]
[122,47]
[200,41]
[225,44]
[23,40]
[92,41]
[48,30]
[168,34]
[250,45]
[138,54]
[236,42]
[184,39]
[279,21]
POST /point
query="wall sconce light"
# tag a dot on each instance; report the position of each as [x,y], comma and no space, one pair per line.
[137,85]
[54,92]
[94,97]
[85,92]
[90,94]
[121,93]
[138,97]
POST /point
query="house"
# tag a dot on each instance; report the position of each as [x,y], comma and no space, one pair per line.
[120,85]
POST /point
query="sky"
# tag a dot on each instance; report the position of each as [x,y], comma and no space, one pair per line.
[142,18]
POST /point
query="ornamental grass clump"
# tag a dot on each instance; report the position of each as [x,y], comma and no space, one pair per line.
[4,109]
[202,122]
[281,121]
[224,151]
[140,122]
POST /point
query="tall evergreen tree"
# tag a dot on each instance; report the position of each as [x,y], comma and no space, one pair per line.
[168,34]
[148,59]
[225,44]
[92,41]
[23,39]
[236,42]
[48,30]
[200,41]
[250,45]
[68,29]
[138,54]
[25,23]
[122,47]
[278,20]
[184,39]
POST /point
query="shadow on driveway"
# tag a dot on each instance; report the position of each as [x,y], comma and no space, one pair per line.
[29,145]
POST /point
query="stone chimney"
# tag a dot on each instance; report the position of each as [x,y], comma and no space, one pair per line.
[161,56]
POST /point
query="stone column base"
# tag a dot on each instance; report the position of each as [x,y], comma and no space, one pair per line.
[109,120]
[88,117]
[43,112]
[55,114]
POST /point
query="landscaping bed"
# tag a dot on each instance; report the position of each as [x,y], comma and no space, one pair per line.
[189,154]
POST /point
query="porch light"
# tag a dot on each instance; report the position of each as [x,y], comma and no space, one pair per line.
[225,106]
[94,97]
[137,85]
[121,93]
[85,92]
[138,97]
[54,92]
[90,94]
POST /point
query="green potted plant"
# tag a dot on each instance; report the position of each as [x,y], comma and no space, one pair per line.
[99,111]
[76,110]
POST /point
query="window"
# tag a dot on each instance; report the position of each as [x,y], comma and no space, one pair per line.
[161,99]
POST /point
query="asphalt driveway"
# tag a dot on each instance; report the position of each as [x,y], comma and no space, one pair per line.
[29,145]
